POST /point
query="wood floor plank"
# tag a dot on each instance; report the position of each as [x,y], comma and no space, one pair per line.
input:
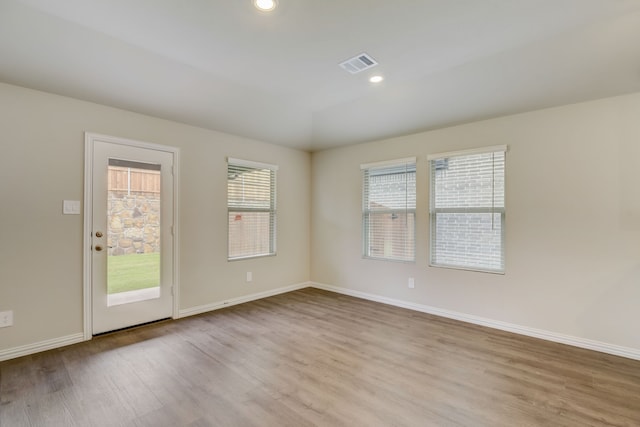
[315,358]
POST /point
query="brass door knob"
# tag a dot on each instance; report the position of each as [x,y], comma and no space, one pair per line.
[98,248]
[99,234]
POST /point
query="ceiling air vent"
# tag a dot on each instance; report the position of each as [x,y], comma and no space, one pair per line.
[359,63]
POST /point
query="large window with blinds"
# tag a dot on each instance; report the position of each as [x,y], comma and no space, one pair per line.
[251,203]
[389,210]
[467,209]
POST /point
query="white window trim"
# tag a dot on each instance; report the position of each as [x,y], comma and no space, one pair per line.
[251,164]
[273,238]
[482,150]
[501,210]
[384,164]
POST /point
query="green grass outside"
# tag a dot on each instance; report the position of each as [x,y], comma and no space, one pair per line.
[133,272]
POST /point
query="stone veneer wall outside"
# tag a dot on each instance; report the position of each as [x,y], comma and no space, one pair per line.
[134,223]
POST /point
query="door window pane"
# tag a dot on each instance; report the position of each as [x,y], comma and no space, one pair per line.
[133,232]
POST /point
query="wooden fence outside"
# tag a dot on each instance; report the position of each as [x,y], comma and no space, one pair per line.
[130,180]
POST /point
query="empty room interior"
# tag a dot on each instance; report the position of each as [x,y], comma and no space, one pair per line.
[292,213]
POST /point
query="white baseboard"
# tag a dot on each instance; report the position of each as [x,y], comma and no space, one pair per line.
[12,353]
[630,353]
[239,300]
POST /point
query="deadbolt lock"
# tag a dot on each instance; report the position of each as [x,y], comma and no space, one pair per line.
[99,234]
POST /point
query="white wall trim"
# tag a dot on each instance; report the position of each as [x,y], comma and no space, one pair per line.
[630,353]
[89,139]
[251,164]
[383,163]
[87,211]
[481,150]
[25,350]
[239,300]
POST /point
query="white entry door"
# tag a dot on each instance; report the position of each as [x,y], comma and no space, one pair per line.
[131,233]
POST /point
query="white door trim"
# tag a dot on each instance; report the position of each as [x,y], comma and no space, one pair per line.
[89,140]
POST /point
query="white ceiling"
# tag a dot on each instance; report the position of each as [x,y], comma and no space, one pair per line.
[275,77]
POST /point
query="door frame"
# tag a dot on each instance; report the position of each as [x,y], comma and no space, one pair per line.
[89,139]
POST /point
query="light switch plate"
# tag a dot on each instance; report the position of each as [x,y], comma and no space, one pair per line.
[71,207]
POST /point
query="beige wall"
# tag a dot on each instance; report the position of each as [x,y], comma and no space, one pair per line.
[573,223]
[573,217]
[42,163]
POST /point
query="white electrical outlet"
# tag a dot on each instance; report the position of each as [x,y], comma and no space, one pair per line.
[249,276]
[412,283]
[6,318]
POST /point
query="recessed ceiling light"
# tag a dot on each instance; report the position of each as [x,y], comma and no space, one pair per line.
[376,79]
[265,5]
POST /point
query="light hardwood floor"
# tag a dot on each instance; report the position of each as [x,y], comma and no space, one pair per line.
[313,357]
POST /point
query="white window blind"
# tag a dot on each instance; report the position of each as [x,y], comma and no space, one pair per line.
[251,203]
[389,210]
[467,209]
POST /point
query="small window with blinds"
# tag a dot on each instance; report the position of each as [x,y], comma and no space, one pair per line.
[467,209]
[251,203]
[389,210]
